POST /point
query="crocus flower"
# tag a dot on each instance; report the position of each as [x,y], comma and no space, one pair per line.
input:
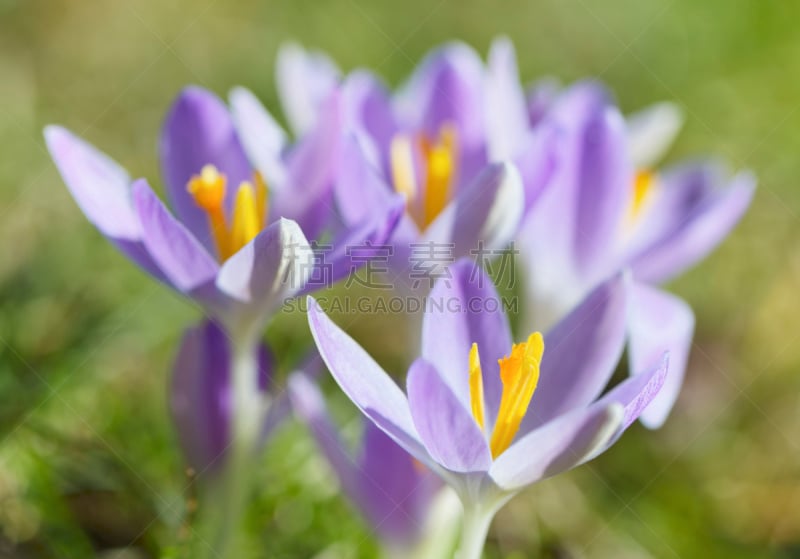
[476,409]
[237,244]
[425,142]
[201,396]
[606,209]
[393,492]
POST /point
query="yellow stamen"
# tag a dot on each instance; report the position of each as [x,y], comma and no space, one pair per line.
[440,158]
[643,185]
[208,190]
[402,163]
[476,385]
[438,167]
[262,190]
[519,373]
[246,223]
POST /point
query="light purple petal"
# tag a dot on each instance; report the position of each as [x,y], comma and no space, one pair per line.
[445,425]
[311,168]
[365,383]
[369,113]
[604,178]
[446,88]
[304,79]
[695,215]
[580,354]
[506,112]
[274,265]
[484,215]
[99,185]
[537,162]
[182,259]
[199,131]
[659,322]
[103,192]
[540,98]
[262,137]
[549,231]
[634,394]
[448,333]
[557,446]
[360,189]
[395,492]
[369,239]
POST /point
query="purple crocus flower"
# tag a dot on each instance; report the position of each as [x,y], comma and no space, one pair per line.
[237,244]
[201,396]
[476,409]
[426,142]
[605,209]
[392,490]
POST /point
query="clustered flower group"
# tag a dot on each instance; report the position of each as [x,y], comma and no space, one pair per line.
[460,156]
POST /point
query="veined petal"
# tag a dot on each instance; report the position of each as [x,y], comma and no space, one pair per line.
[365,383]
[506,112]
[261,136]
[179,255]
[199,131]
[274,265]
[100,186]
[304,79]
[557,446]
[448,336]
[582,352]
[651,132]
[659,322]
[485,214]
[696,217]
[446,427]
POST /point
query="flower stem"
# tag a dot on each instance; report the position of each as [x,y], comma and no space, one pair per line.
[475,528]
[226,499]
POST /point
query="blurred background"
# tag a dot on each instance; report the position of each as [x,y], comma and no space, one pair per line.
[89,464]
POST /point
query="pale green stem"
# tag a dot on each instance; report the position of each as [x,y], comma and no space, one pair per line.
[225,501]
[474,530]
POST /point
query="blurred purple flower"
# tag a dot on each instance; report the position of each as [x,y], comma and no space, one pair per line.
[238,245]
[393,492]
[490,425]
[426,142]
[201,397]
[605,209]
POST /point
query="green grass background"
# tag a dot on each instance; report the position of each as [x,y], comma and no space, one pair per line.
[88,460]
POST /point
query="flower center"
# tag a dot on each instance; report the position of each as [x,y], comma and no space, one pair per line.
[249,209]
[519,372]
[423,170]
